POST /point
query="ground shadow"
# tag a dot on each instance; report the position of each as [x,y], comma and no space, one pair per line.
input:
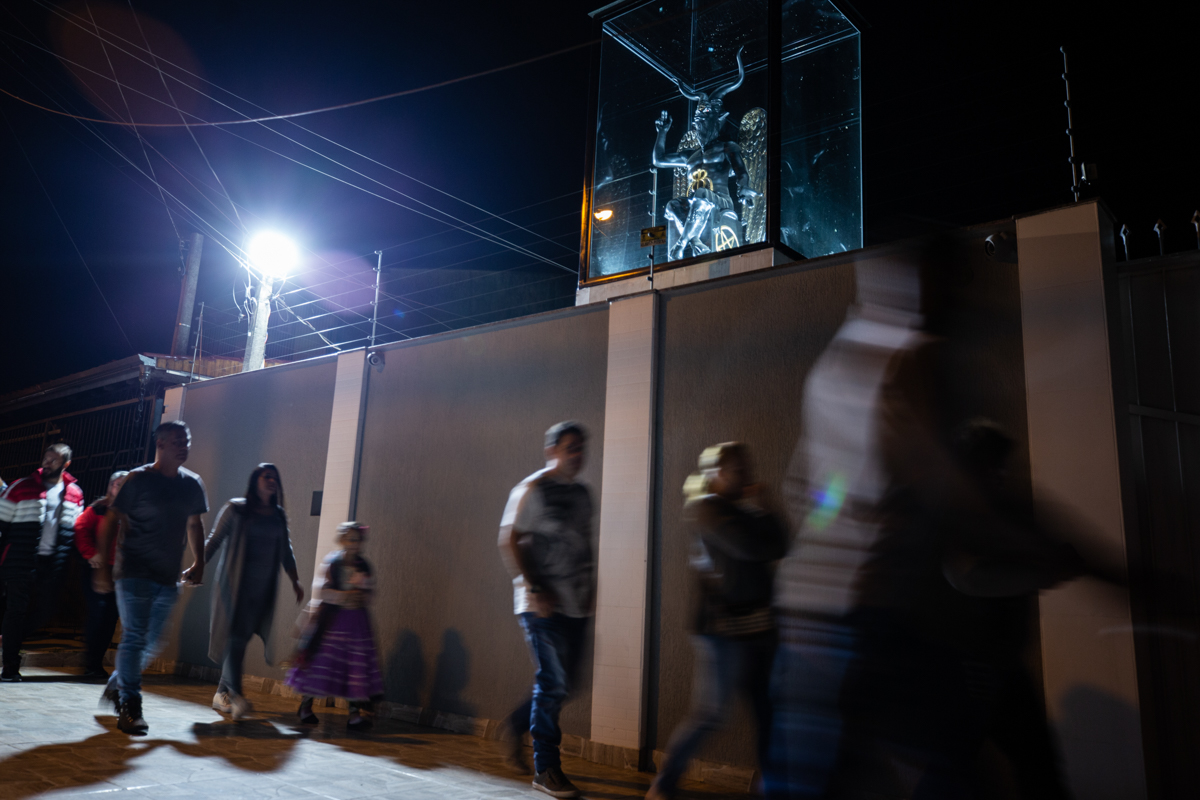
[451,676]
[404,676]
[40,769]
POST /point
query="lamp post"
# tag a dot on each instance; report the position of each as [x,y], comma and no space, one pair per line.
[273,255]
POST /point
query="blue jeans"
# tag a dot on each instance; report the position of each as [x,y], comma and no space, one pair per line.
[723,666]
[808,726]
[556,643]
[144,606]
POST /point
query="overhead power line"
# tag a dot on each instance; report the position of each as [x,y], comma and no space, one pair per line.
[338,107]
[157,66]
[454,221]
[67,230]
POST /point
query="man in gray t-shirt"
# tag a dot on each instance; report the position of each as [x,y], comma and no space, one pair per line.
[158,508]
[546,542]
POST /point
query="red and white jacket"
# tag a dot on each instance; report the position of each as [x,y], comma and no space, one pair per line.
[22,507]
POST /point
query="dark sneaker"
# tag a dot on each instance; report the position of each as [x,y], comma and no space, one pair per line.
[306,715]
[10,676]
[95,674]
[554,783]
[130,720]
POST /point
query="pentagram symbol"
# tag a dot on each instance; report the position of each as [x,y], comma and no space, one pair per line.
[700,180]
[724,238]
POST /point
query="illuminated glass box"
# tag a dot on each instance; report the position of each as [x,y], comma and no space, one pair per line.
[734,123]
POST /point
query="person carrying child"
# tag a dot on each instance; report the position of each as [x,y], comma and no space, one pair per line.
[336,655]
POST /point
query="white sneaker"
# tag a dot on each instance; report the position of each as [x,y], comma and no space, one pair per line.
[242,707]
[221,702]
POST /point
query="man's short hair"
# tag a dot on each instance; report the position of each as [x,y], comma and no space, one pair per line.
[62,448]
[170,426]
[561,429]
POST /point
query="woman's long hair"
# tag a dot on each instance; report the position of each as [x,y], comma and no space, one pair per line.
[252,501]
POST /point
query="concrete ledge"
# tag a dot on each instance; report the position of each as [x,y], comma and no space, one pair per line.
[681,276]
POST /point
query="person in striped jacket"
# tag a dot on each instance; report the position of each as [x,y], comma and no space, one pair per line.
[37,534]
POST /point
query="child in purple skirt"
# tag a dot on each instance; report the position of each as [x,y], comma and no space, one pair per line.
[336,656]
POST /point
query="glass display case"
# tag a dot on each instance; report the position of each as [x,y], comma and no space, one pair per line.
[733,123]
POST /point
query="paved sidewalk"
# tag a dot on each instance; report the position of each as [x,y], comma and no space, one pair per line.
[56,742]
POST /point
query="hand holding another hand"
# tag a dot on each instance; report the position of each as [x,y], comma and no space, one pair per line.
[194,575]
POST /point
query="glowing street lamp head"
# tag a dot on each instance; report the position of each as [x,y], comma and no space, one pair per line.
[273,253]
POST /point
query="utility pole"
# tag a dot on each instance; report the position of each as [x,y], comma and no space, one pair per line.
[196,349]
[187,297]
[256,346]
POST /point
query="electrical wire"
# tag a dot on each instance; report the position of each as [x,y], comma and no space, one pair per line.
[153,179]
[137,134]
[216,234]
[162,77]
[297,314]
[67,230]
[338,107]
[480,231]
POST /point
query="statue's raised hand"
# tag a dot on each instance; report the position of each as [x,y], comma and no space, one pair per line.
[663,123]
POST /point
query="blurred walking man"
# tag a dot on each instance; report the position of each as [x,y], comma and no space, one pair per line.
[160,506]
[37,522]
[546,542]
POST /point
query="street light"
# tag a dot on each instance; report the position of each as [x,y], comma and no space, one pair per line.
[274,255]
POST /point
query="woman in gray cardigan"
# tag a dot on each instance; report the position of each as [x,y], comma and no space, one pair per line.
[254,532]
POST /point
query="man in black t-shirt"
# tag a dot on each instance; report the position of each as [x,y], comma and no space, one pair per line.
[159,507]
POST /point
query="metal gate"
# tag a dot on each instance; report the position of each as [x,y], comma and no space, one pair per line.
[103,439]
[1159,375]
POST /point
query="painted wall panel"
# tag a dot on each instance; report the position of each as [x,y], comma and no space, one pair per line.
[279,415]
[452,424]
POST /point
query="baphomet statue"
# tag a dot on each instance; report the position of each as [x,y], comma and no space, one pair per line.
[702,215]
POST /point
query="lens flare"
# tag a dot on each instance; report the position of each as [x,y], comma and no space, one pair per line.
[827,503]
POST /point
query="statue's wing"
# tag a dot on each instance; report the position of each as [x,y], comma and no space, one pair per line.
[752,137]
[689,142]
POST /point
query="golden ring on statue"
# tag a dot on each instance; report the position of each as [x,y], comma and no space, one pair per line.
[700,180]
[724,238]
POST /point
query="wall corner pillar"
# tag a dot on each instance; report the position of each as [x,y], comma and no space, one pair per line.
[624,542]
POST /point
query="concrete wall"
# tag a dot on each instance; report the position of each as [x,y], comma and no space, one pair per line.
[279,415]
[734,359]
[452,424]
[1087,638]
[733,363]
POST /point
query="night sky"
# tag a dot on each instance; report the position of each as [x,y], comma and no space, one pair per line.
[963,123]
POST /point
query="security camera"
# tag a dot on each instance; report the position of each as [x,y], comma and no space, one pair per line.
[376,360]
[1001,246]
